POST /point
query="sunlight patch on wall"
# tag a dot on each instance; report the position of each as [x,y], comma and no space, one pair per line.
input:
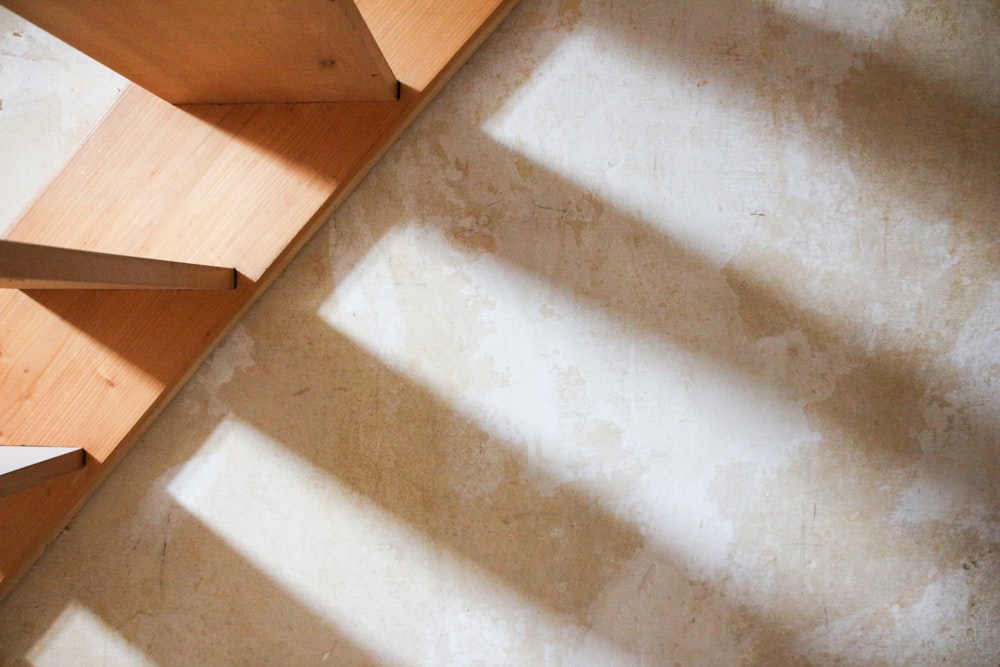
[675,141]
[557,121]
[554,379]
[909,34]
[859,20]
[735,135]
[405,599]
[80,637]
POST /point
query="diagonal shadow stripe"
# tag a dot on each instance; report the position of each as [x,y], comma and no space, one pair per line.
[168,586]
[616,264]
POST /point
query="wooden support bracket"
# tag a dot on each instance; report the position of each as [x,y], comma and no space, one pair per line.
[24,467]
[31,266]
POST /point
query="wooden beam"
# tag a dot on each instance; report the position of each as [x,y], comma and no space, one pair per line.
[94,368]
[24,467]
[226,51]
[31,266]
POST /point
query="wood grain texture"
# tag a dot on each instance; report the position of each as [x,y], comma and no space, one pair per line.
[24,467]
[30,266]
[193,51]
[238,185]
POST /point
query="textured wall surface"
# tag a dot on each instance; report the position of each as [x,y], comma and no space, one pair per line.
[50,98]
[669,335]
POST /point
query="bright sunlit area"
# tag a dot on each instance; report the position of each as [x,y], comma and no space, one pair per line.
[669,334]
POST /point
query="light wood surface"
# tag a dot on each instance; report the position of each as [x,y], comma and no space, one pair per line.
[24,467]
[30,266]
[202,51]
[239,185]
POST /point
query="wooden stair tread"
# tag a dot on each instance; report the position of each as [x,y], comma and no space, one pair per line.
[229,51]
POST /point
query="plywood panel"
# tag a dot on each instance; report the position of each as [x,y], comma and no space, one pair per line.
[189,51]
[241,186]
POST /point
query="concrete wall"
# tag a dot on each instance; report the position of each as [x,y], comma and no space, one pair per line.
[670,335]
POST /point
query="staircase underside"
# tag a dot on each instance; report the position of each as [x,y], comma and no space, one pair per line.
[240,186]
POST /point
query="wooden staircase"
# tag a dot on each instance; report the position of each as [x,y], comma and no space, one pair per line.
[243,134]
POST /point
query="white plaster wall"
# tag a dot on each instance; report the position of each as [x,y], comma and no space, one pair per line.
[50,98]
[669,335]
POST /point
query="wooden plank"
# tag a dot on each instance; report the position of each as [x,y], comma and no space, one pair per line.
[242,186]
[193,51]
[30,266]
[24,467]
